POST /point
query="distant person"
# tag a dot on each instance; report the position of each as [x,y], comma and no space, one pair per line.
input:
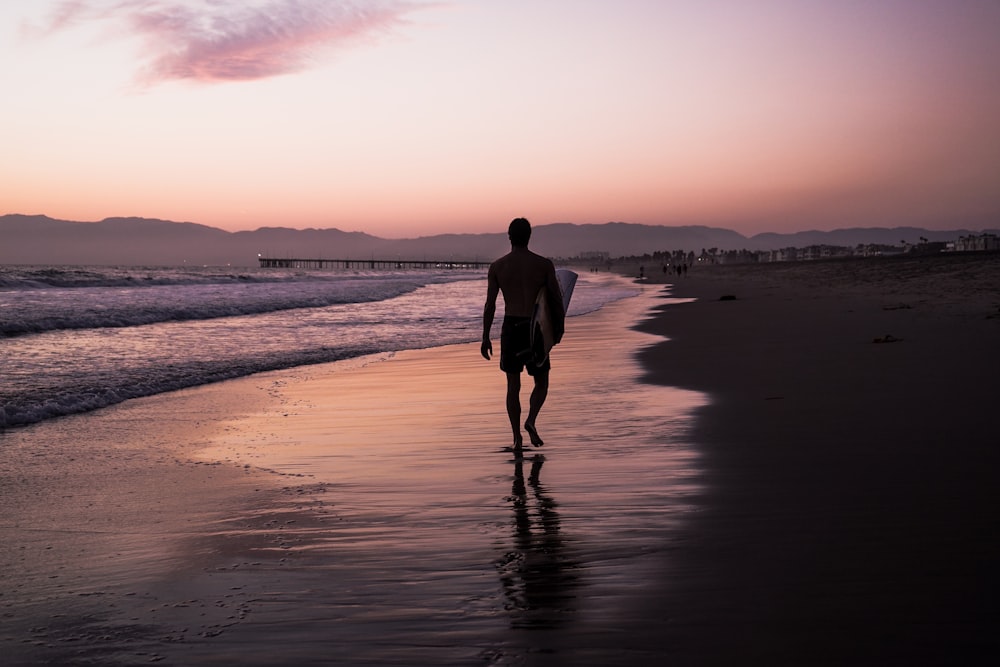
[520,275]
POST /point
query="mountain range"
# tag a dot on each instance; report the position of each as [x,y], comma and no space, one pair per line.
[38,239]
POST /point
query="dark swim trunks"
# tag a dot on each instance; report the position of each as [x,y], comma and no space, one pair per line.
[515,347]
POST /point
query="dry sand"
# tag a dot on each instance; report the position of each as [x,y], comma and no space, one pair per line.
[850,511]
[807,496]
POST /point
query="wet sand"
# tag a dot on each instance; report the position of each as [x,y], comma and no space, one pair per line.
[806,496]
[358,513]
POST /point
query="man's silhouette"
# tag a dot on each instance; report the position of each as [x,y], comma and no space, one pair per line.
[520,275]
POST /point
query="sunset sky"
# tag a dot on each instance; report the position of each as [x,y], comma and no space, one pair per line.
[407,119]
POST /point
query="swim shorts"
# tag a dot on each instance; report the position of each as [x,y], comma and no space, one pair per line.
[515,347]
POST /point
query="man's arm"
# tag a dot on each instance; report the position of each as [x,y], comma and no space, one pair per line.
[489,311]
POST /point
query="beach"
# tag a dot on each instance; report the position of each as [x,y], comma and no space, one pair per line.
[850,462]
[782,464]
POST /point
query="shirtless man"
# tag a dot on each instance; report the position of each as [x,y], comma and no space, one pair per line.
[520,275]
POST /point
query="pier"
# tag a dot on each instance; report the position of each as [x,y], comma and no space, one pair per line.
[373,264]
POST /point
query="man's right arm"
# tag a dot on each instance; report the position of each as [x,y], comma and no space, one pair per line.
[489,312]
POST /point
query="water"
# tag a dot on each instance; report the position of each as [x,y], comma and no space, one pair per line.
[74,339]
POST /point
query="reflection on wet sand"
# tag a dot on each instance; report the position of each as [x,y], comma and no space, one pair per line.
[539,577]
[387,531]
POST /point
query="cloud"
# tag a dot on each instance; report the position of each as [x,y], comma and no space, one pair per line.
[234,40]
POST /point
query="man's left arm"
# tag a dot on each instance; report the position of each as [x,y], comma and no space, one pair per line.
[555,304]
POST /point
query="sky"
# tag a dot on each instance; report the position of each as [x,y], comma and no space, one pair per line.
[411,118]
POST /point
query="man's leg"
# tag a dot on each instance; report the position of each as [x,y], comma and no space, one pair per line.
[535,403]
[514,406]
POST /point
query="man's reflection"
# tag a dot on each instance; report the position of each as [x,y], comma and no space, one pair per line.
[537,575]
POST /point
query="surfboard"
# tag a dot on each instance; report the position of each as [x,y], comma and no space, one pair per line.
[542,324]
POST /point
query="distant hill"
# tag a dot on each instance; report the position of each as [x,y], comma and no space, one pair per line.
[39,239]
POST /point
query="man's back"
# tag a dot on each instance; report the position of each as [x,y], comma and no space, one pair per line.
[520,275]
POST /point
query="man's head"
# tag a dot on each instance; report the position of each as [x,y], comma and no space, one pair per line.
[519,232]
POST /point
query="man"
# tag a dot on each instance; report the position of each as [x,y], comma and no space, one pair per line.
[520,275]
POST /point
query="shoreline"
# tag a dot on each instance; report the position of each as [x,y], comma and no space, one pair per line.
[741,481]
[368,508]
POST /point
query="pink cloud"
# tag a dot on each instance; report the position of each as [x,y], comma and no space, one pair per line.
[235,40]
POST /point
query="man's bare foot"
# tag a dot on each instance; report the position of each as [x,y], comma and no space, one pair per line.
[533,434]
[517,449]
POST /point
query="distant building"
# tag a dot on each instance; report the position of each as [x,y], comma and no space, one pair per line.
[973,243]
[877,250]
[823,252]
[780,255]
[595,256]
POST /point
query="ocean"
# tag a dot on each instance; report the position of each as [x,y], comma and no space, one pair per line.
[76,339]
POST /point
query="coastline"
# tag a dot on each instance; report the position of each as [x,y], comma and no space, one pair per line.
[367,509]
[850,504]
[765,486]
